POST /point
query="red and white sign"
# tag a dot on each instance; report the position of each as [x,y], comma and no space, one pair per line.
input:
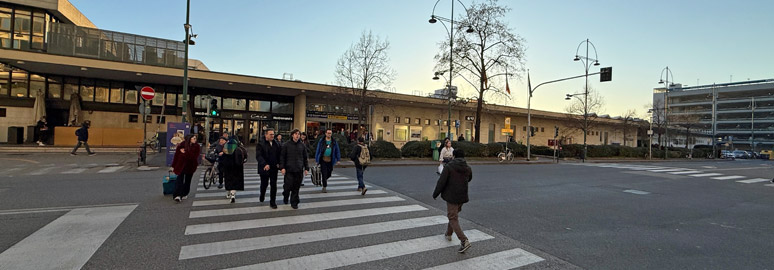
[147,93]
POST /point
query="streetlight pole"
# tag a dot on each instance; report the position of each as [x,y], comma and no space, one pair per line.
[752,125]
[187,27]
[666,71]
[650,136]
[587,63]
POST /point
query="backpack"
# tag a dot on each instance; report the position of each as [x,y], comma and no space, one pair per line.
[365,156]
[240,154]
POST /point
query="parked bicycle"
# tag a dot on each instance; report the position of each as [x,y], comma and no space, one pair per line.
[153,142]
[505,155]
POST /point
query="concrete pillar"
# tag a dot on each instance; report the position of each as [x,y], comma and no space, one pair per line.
[299,112]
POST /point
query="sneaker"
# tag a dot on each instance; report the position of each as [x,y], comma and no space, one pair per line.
[233,199]
[273,206]
[261,199]
[220,186]
[464,246]
[72,154]
[185,197]
[359,189]
[177,199]
[302,184]
[92,154]
[364,191]
[41,144]
[228,195]
[324,191]
[448,237]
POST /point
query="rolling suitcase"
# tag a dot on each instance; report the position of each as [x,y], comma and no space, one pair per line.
[316,175]
[169,183]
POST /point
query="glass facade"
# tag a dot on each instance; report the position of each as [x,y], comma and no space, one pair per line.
[23,28]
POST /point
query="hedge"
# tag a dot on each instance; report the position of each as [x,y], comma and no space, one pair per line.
[384,149]
[417,149]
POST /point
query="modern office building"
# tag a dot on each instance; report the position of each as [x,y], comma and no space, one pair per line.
[739,115]
[53,56]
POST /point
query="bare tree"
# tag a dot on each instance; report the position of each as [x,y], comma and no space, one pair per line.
[658,120]
[688,122]
[576,109]
[363,67]
[628,119]
[484,55]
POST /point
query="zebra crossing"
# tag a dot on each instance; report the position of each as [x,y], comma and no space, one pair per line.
[60,169]
[397,230]
[680,171]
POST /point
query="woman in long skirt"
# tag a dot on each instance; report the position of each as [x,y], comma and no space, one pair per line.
[233,170]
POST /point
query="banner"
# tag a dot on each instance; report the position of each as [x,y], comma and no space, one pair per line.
[176,133]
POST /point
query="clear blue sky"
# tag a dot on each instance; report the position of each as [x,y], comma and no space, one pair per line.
[701,41]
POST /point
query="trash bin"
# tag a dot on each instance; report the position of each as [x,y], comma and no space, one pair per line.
[435,145]
[15,135]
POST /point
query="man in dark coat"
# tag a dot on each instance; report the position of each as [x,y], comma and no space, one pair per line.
[453,188]
[294,166]
[83,138]
[267,153]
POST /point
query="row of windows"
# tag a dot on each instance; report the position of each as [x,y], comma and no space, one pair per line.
[22,28]
[417,121]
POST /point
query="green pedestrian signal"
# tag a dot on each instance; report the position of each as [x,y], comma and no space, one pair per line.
[214,112]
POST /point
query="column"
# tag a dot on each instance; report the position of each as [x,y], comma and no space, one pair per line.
[299,112]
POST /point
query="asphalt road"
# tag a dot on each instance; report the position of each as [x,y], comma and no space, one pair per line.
[623,216]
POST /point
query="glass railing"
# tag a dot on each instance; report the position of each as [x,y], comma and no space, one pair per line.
[71,40]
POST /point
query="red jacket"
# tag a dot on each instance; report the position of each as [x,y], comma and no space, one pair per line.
[186,163]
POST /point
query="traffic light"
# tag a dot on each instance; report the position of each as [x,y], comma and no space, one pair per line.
[214,112]
[532,131]
[606,74]
[556,132]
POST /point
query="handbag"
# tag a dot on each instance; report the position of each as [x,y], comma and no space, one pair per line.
[327,158]
[440,168]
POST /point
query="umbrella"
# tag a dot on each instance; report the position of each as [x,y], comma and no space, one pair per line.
[75,109]
[39,109]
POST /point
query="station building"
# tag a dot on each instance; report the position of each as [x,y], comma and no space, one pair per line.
[51,52]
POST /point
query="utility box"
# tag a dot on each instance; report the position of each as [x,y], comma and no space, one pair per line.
[435,145]
[15,135]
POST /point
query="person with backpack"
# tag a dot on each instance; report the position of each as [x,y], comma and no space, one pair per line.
[294,166]
[184,165]
[83,138]
[453,188]
[267,153]
[327,155]
[233,159]
[361,156]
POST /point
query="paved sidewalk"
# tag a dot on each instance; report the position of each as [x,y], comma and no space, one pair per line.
[34,148]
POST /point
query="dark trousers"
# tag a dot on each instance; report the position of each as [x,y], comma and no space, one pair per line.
[269,179]
[220,173]
[327,169]
[291,186]
[182,185]
[359,169]
[86,144]
[453,212]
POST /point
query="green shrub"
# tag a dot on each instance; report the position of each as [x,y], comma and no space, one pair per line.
[493,148]
[472,149]
[384,149]
[417,149]
[542,150]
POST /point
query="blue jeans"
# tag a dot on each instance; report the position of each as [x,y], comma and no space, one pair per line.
[360,170]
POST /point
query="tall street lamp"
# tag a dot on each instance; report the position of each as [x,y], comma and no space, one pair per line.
[433,19]
[587,63]
[650,135]
[188,41]
[665,73]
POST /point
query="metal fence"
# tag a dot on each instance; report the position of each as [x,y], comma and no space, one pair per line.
[71,40]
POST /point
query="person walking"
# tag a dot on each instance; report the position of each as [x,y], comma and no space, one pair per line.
[361,156]
[83,138]
[184,165]
[453,188]
[446,154]
[294,166]
[233,169]
[267,153]
[219,149]
[327,155]
[279,139]
[43,131]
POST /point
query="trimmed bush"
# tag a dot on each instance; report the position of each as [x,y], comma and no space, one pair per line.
[542,150]
[384,149]
[472,149]
[417,149]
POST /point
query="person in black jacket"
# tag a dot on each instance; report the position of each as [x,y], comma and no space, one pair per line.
[267,153]
[354,155]
[294,166]
[83,138]
[453,188]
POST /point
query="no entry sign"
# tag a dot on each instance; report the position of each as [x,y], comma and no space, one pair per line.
[147,93]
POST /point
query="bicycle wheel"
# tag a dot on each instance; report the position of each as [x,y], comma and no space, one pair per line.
[501,157]
[207,178]
[154,145]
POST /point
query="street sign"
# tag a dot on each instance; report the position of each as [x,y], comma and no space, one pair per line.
[507,121]
[506,130]
[469,118]
[144,108]
[456,123]
[147,93]
[650,132]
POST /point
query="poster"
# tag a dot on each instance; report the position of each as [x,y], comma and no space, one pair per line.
[176,133]
[416,133]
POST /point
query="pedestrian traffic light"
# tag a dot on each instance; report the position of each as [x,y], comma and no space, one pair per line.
[214,112]
[606,74]
[556,132]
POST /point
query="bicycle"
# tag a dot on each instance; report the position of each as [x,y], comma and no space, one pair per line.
[211,175]
[153,142]
[505,155]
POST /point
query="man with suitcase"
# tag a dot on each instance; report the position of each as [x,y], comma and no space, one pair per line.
[267,153]
[327,155]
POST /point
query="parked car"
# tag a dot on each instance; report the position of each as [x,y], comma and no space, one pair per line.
[726,154]
[741,154]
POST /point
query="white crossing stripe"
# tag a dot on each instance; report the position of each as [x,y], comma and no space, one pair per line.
[111,169]
[67,242]
[754,180]
[367,254]
[43,170]
[769,185]
[305,196]
[75,170]
[264,209]
[508,259]
[668,170]
[685,172]
[706,174]
[271,241]
[638,192]
[731,177]
[258,192]
[279,184]
[647,168]
[278,221]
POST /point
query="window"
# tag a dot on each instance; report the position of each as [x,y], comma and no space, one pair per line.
[171,99]
[87,90]
[38,30]
[524,128]
[427,121]
[130,96]
[161,119]
[260,106]
[54,87]
[133,118]
[158,98]
[386,119]
[234,104]
[282,107]
[116,92]
[22,25]
[401,133]
[417,121]
[102,91]
[407,120]
[542,129]
[4,76]
[5,27]
[19,83]
[70,88]
[437,122]
[2,112]
[37,83]
[397,119]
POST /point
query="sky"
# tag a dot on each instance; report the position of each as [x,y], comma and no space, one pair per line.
[701,41]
